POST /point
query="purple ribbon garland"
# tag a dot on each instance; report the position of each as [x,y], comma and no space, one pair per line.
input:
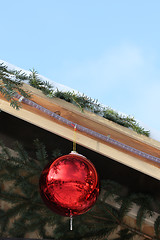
[87,130]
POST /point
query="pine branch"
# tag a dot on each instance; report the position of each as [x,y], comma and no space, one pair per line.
[41,154]
[125,234]
[157,227]
[110,188]
[125,226]
[114,216]
[138,232]
[29,213]
[19,161]
[11,82]
[145,203]
[6,216]
[84,102]
[36,82]
[126,206]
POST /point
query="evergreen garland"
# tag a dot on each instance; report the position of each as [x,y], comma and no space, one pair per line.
[85,102]
[92,105]
[12,82]
[35,82]
[19,186]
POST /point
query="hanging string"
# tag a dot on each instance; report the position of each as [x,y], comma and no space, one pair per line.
[74,138]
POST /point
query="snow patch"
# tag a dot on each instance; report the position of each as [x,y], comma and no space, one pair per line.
[55,85]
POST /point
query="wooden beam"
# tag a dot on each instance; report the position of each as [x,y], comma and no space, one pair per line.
[66,132]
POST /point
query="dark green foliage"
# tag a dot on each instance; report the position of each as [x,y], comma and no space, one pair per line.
[125,121]
[11,82]
[125,234]
[157,227]
[19,178]
[44,86]
[85,102]
[110,188]
[145,207]
[92,105]
[126,206]
[80,100]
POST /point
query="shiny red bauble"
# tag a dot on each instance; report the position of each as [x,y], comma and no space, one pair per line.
[69,185]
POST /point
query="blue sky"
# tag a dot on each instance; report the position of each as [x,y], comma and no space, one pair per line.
[109,50]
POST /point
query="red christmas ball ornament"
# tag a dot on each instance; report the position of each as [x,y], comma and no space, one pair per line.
[69,185]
